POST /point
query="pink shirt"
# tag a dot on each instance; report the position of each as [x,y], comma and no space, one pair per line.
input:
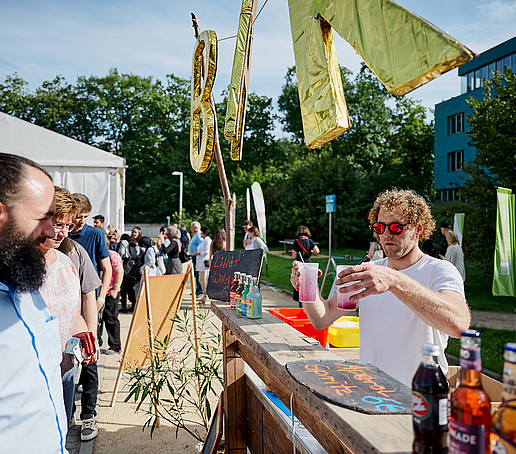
[116,261]
[62,294]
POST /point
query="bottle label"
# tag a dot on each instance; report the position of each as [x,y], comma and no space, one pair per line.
[509,382]
[232,299]
[466,439]
[429,412]
[470,359]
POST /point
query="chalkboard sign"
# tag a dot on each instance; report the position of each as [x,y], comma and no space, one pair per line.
[357,386]
[223,266]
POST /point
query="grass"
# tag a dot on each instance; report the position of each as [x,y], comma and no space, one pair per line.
[493,342]
[479,294]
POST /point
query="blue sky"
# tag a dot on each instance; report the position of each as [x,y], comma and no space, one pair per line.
[43,38]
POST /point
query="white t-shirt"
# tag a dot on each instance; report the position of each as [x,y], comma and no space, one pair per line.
[257,243]
[204,250]
[391,334]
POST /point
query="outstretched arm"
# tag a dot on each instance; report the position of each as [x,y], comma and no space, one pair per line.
[445,310]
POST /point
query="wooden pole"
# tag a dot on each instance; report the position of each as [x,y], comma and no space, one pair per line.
[151,338]
[228,201]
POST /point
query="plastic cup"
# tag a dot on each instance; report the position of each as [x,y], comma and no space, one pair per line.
[343,301]
[308,282]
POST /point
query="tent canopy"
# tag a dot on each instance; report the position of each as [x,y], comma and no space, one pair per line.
[73,165]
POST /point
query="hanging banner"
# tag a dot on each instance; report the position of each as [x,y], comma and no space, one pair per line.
[504,259]
[458,226]
[259,207]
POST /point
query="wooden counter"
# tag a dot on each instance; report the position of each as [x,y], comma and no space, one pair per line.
[266,345]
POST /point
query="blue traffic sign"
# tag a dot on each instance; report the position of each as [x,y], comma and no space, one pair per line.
[330,203]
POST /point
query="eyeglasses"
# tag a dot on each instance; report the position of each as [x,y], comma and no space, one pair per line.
[59,227]
[395,228]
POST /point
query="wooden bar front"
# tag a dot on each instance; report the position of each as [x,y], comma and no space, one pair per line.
[266,345]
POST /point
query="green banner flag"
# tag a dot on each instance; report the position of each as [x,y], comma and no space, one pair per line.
[504,259]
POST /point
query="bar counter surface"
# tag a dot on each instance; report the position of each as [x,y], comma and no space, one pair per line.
[267,345]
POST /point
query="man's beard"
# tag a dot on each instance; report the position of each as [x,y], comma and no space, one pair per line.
[22,264]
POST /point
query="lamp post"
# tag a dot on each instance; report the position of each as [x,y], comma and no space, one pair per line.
[180,194]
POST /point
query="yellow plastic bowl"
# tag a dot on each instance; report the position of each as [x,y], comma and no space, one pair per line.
[344,336]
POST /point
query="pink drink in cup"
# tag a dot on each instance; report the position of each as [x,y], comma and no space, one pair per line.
[308,282]
[343,301]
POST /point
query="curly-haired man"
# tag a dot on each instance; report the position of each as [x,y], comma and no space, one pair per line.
[407,298]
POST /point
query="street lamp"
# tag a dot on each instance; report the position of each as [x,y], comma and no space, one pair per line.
[180,194]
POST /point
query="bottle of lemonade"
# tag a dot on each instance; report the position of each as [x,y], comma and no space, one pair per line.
[243,308]
[254,301]
[234,285]
[470,409]
[238,293]
[503,427]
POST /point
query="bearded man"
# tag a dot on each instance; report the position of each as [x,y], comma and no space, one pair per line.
[32,415]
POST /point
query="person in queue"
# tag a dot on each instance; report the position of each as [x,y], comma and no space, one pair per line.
[62,293]
[407,298]
[92,239]
[32,414]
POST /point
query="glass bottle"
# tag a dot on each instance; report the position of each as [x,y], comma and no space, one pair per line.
[503,427]
[430,404]
[254,301]
[470,409]
[234,285]
[243,300]
[238,293]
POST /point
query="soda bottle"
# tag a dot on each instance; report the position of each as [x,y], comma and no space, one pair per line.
[430,404]
[238,293]
[254,301]
[470,409]
[234,285]
[243,298]
[503,427]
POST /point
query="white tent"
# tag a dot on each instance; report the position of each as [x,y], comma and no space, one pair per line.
[73,165]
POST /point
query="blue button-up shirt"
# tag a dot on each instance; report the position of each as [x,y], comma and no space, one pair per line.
[32,415]
[194,243]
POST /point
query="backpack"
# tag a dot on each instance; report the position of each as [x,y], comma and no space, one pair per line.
[132,261]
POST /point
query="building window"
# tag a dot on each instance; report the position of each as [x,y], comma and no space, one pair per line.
[447,195]
[455,160]
[456,124]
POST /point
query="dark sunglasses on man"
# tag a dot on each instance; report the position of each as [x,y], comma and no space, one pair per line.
[394,227]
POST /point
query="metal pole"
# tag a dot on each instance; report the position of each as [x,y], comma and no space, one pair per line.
[180,197]
[329,251]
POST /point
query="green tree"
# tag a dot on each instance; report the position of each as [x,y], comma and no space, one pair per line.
[389,144]
[492,127]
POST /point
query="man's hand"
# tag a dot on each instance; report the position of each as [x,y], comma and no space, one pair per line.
[372,280]
[294,276]
[113,293]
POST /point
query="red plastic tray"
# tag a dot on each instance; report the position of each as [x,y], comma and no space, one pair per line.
[297,318]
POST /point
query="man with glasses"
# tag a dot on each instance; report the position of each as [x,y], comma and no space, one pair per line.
[94,241]
[62,292]
[407,298]
[32,415]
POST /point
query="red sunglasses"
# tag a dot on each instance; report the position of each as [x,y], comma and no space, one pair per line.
[395,228]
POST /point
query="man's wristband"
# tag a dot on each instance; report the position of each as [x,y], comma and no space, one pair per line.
[117,285]
[100,300]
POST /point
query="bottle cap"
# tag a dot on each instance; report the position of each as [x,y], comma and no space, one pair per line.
[237,273]
[470,333]
[511,347]
[431,349]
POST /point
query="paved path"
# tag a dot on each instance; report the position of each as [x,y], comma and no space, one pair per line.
[119,424]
